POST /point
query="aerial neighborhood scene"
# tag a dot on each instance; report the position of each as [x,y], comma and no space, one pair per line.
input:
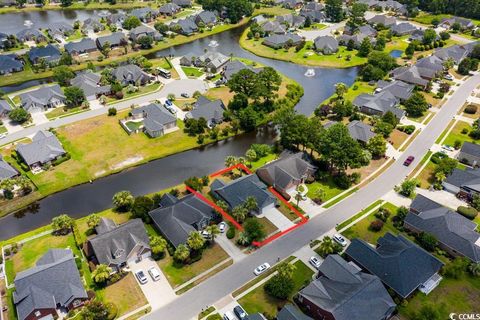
[240,159]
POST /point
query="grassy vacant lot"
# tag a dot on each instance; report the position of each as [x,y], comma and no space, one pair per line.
[456,134]
[259,301]
[178,273]
[361,230]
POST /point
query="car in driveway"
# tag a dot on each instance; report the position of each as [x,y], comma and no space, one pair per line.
[222,226]
[154,273]
[229,316]
[240,313]
[261,269]
[206,235]
[408,161]
[448,147]
[340,239]
[448,77]
[314,261]
[185,95]
[142,278]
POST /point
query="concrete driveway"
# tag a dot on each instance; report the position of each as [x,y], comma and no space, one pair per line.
[277,218]
[39,118]
[158,293]
[188,86]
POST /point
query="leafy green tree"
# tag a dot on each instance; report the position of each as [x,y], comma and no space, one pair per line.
[340,90]
[66,3]
[161,27]
[427,312]
[19,115]
[380,44]
[281,285]
[427,241]
[474,269]
[334,10]
[131,22]
[63,75]
[65,59]
[390,118]
[383,128]
[62,224]
[142,205]
[94,309]
[195,241]
[356,17]
[74,96]
[101,274]
[343,109]
[429,36]
[181,253]
[230,161]
[145,42]
[123,201]
[328,246]
[158,245]
[93,220]
[21,3]
[365,47]
[251,155]
[249,118]
[268,83]
[213,230]
[407,188]
[410,50]
[244,82]
[416,105]
[377,146]
[254,230]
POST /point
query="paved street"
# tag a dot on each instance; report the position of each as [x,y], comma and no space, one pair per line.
[188,305]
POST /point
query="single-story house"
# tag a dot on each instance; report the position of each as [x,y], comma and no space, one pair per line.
[382,20]
[177,218]
[463,22]
[42,98]
[206,17]
[273,27]
[455,53]
[145,14]
[326,44]
[84,46]
[278,41]
[379,104]
[365,30]
[235,66]
[115,39]
[211,111]
[290,312]
[464,183]
[89,82]
[292,4]
[432,64]
[10,64]
[413,75]
[183,3]
[7,3]
[116,19]
[169,9]
[401,265]
[131,74]
[469,154]
[53,283]
[92,24]
[5,108]
[402,29]
[144,31]
[291,20]
[343,292]
[455,233]
[30,35]
[357,39]
[211,60]
[118,246]
[6,170]
[313,6]
[236,192]
[286,173]
[156,119]
[50,53]
[399,89]
[4,40]
[360,131]
[44,149]
[314,15]
[59,30]
[185,26]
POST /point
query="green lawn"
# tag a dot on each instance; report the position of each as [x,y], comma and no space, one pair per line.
[456,134]
[61,112]
[192,72]
[142,90]
[360,229]
[344,196]
[259,301]
[262,161]
[75,36]
[316,26]
[3,129]
[358,215]
[426,18]
[356,89]
[329,187]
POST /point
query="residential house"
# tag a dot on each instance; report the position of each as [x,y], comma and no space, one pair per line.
[59,30]
[145,14]
[113,40]
[430,66]
[157,121]
[326,44]
[365,31]
[462,22]
[403,29]
[30,35]
[418,34]
[116,19]
[455,233]
[211,111]
[4,41]
[44,149]
[360,131]
[292,4]
[42,98]
[53,283]
[278,41]
[89,82]
[417,76]
[6,170]
[315,16]
[291,20]
[50,53]
[463,183]
[470,154]
[343,292]
[131,74]
[118,246]
[382,20]
[399,89]
[357,38]
[391,5]
[207,18]
[84,46]
[290,312]
[144,31]
[7,3]
[185,26]
[235,66]
[454,53]
[10,64]
[273,27]
[5,108]
[286,173]
[177,218]
[183,3]
[92,25]
[212,61]
[169,9]
[379,104]
[399,263]
[236,192]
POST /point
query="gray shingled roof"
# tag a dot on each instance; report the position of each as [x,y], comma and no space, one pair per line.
[472,149]
[403,28]
[279,40]
[155,116]
[348,293]
[177,218]
[399,89]
[468,178]
[89,82]
[360,131]
[114,39]
[130,73]
[383,102]
[207,17]
[43,148]
[326,44]
[422,203]
[450,228]
[187,25]
[169,8]
[209,110]
[411,75]
[5,106]
[9,63]
[291,167]
[234,66]
[6,170]
[236,192]
[290,312]
[82,46]
[41,96]
[398,262]
[387,21]
[115,243]
[273,27]
[50,53]
[54,280]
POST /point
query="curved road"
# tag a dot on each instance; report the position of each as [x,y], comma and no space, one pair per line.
[223,283]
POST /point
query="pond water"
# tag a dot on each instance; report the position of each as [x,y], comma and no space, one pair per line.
[396,53]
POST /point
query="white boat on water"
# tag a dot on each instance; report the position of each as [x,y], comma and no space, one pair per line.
[310,73]
[28,23]
[213,44]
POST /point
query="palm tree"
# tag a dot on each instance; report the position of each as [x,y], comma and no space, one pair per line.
[250,204]
[195,241]
[326,247]
[243,239]
[230,161]
[101,274]
[93,220]
[223,205]
[181,253]
[440,176]
[158,245]
[239,213]
[123,201]
[213,230]
[286,270]
[474,269]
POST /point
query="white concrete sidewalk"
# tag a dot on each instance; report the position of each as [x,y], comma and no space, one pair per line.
[277,218]
[397,199]
[233,251]
[176,65]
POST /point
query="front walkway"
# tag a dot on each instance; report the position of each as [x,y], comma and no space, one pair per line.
[233,251]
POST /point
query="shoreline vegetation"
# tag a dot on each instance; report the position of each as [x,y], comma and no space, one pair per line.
[80,6]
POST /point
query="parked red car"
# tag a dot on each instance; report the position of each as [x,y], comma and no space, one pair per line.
[408,161]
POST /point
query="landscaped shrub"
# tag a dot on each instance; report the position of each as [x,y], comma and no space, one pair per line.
[376,225]
[407,129]
[231,232]
[427,241]
[383,214]
[467,212]
[112,112]
[62,159]
[471,109]
[342,180]
[112,311]
[437,157]
[464,131]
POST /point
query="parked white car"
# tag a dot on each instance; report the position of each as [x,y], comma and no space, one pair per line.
[340,239]
[222,226]
[314,261]
[154,273]
[261,269]
[142,278]
[229,316]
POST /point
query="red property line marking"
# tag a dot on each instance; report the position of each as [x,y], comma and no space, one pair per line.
[288,204]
